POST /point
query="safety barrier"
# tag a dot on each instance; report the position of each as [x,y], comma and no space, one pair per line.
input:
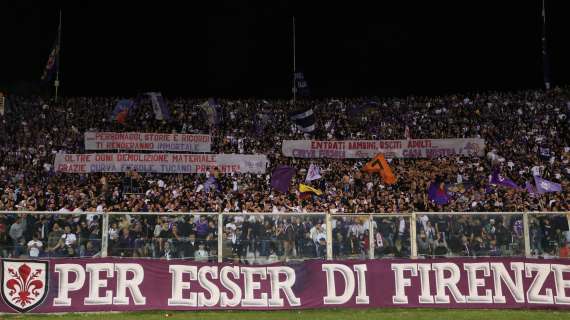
[286,236]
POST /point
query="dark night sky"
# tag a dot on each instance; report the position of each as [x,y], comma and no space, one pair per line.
[235,48]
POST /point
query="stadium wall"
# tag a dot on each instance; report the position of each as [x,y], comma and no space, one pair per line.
[113,284]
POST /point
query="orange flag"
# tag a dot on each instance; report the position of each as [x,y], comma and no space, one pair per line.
[380,165]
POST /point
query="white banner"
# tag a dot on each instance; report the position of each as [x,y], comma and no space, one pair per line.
[413,148]
[159,162]
[139,141]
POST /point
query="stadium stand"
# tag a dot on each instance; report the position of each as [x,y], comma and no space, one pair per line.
[526,133]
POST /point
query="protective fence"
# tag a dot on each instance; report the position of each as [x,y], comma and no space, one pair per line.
[261,238]
[189,261]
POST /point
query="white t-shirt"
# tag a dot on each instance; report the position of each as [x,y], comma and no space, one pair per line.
[402,226]
[201,255]
[114,233]
[34,246]
[70,238]
[231,226]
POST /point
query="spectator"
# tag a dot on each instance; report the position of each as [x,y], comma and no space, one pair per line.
[68,242]
[201,255]
[34,246]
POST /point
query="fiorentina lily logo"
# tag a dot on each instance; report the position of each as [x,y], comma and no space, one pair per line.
[24,283]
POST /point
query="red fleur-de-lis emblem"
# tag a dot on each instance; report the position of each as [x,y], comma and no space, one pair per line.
[24,283]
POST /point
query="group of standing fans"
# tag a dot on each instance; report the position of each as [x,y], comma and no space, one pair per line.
[526,133]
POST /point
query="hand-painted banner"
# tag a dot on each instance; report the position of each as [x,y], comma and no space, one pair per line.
[159,162]
[140,141]
[108,284]
[413,148]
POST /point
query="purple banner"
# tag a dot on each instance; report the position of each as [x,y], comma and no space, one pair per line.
[107,284]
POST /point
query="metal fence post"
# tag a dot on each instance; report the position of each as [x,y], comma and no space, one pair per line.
[526,232]
[568,219]
[105,235]
[413,238]
[371,237]
[220,236]
[329,236]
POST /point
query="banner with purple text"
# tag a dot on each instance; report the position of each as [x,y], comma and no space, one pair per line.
[412,148]
[108,284]
[140,141]
[159,162]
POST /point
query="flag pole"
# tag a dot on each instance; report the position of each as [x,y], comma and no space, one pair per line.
[545,60]
[294,63]
[56,82]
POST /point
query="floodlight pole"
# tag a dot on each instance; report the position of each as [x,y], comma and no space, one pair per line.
[545,60]
[294,62]
[56,82]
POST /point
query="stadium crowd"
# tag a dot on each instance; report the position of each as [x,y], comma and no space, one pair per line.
[526,133]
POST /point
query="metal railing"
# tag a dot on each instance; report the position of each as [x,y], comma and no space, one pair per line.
[367,224]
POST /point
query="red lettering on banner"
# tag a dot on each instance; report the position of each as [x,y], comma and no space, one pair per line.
[419,144]
[83,157]
[157,137]
[195,138]
[362,145]
[193,158]
[158,162]
[73,168]
[327,145]
[389,144]
[103,157]
[229,168]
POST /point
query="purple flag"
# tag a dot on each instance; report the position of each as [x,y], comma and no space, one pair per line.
[544,186]
[437,192]
[498,179]
[211,182]
[530,188]
[281,178]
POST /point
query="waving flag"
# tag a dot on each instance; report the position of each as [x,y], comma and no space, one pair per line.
[281,178]
[380,165]
[51,64]
[53,58]
[210,183]
[122,109]
[545,186]
[212,109]
[437,192]
[530,188]
[306,188]
[304,120]
[313,173]
[301,85]
[498,179]
[159,107]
